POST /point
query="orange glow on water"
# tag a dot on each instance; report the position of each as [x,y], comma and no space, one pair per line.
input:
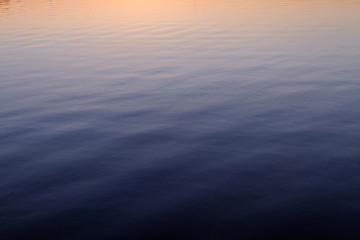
[161,10]
[136,22]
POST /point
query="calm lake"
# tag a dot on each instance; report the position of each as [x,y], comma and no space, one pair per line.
[179,119]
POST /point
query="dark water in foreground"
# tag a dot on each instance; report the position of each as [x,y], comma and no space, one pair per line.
[179,119]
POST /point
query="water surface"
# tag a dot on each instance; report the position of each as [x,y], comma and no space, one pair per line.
[179,119]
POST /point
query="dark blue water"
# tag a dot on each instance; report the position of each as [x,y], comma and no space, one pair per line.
[154,119]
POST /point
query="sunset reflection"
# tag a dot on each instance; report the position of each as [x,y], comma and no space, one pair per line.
[179,119]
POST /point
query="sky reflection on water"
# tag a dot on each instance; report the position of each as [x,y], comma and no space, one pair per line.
[179,119]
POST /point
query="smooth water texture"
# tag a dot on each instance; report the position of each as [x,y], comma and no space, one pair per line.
[179,119]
